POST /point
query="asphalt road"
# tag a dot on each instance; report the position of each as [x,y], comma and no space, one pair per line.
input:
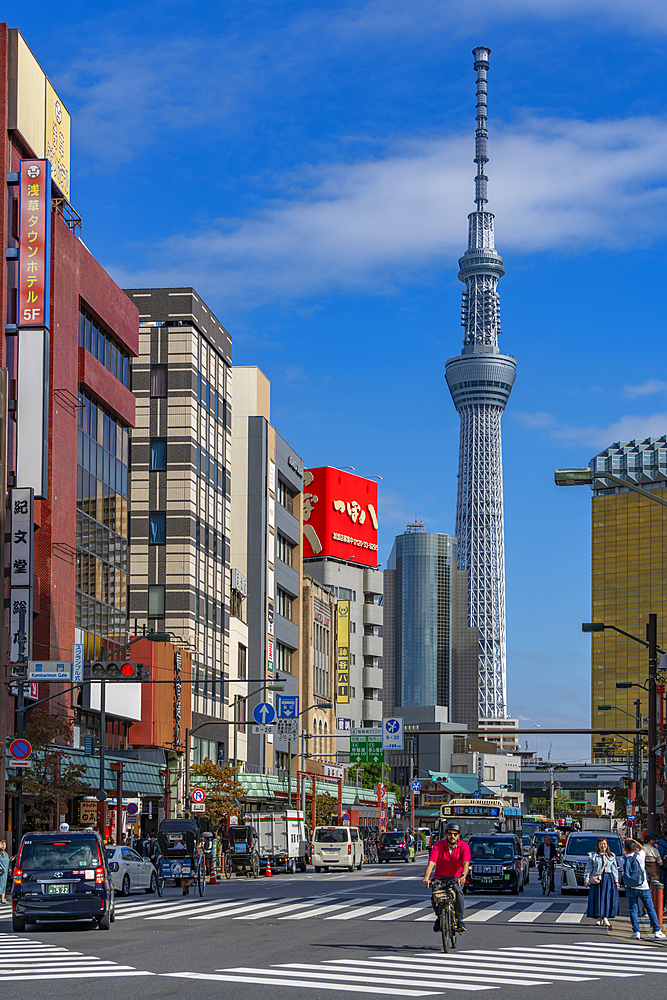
[329,935]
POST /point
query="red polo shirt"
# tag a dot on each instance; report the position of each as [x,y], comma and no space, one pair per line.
[449,864]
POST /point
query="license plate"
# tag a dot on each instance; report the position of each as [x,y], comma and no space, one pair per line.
[241,848]
[57,889]
[486,879]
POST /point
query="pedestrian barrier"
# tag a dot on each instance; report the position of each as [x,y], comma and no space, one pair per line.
[657,895]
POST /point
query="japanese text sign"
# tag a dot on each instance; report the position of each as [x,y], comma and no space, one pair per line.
[343,652]
[21,537]
[34,243]
[340,516]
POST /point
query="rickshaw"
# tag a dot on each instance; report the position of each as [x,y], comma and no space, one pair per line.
[242,852]
[181,859]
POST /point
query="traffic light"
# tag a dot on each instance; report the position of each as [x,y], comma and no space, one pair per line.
[99,670]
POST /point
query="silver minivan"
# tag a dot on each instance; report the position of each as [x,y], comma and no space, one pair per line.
[337,847]
[579,845]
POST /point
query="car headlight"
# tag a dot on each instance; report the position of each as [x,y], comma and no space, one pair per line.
[508,868]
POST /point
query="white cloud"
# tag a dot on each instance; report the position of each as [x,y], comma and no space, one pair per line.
[626,428]
[377,222]
[650,388]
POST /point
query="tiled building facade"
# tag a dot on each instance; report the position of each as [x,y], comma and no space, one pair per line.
[180,492]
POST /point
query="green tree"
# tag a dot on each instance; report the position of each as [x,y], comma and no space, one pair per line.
[371,776]
[326,809]
[223,792]
[52,779]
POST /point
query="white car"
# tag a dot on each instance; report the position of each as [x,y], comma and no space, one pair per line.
[337,847]
[130,871]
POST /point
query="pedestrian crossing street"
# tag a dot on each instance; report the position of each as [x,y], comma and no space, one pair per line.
[429,973]
[341,905]
[22,959]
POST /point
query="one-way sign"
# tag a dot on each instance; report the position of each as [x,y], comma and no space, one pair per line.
[264,714]
[287,706]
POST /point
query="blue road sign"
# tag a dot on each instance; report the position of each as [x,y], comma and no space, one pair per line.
[477,794]
[392,733]
[264,714]
[77,663]
[416,786]
[287,706]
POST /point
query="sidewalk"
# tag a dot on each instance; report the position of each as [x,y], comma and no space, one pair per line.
[622,930]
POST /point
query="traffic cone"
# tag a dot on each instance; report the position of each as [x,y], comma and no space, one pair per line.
[212,880]
[268,873]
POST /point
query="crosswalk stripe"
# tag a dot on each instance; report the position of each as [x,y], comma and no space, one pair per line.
[320,910]
[74,975]
[545,964]
[589,957]
[272,981]
[282,909]
[462,962]
[349,978]
[363,968]
[574,914]
[231,909]
[530,913]
[363,910]
[25,960]
[403,911]
[480,916]
[200,912]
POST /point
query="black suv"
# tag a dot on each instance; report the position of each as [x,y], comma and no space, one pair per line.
[496,863]
[393,847]
[62,876]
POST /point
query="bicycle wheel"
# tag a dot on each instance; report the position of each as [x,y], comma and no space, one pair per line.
[160,884]
[444,926]
[255,866]
[228,865]
[201,877]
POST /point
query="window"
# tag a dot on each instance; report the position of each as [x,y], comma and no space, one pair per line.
[157,528]
[283,604]
[284,552]
[237,605]
[514,781]
[158,456]
[243,662]
[489,773]
[101,345]
[283,658]
[286,496]
[155,602]
[353,628]
[158,381]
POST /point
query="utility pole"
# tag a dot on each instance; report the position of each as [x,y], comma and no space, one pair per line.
[652,640]
[4,630]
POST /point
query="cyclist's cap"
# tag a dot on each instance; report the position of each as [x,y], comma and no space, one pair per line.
[452,826]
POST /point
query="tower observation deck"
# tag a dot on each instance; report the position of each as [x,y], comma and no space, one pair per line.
[480,380]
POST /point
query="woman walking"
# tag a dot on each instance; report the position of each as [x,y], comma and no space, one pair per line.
[603,883]
[4,870]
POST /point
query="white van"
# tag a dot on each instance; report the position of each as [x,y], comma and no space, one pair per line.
[337,847]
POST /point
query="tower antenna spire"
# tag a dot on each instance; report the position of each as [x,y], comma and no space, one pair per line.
[480,380]
[481,54]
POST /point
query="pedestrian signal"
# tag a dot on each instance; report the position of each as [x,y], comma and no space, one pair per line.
[116,671]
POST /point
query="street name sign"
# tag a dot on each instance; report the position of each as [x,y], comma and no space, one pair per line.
[49,670]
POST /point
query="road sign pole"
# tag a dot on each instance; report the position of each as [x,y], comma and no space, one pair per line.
[19,787]
[412,808]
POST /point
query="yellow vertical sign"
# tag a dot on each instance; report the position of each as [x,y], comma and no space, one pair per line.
[57,144]
[343,652]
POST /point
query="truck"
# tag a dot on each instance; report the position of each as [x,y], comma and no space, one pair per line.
[283,839]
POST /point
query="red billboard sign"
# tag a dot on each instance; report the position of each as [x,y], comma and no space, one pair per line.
[340,516]
[34,242]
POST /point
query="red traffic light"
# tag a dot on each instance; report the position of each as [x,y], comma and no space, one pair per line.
[128,669]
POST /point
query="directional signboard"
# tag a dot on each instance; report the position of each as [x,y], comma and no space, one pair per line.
[366,746]
[264,714]
[392,733]
[49,670]
[287,706]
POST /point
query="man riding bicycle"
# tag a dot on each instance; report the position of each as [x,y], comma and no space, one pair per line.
[451,860]
[546,855]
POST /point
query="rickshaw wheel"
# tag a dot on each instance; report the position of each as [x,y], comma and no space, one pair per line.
[255,866]
[228,865]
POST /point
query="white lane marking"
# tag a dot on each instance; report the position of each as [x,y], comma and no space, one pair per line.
[231,909]
[354,978]
[320,910]
[574,914]
[481,916]
[273,981]
[530,913]
[363,969]
[102,974]
[362,911]
[189,911]
[462,964]
[587,957]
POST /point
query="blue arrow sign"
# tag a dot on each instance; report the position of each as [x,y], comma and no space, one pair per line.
[264,714]
[477,794]
[287,706]
[416,786]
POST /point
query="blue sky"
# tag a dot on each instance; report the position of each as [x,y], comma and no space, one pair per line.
[309,170]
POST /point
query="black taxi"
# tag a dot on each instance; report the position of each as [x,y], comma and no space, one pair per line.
[496,863]
[62,876]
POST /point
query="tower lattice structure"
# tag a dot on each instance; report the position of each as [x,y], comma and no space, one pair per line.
[480,380]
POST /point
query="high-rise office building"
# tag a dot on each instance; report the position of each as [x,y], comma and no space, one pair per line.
[181,452]
[628,558]
[266,550]
[480,380]
[430,652]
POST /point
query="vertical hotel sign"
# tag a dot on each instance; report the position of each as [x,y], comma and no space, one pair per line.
[343,652]
[34,243]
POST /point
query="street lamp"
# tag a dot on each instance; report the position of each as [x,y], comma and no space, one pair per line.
[551,768]
[650,643]
[325,705]
[639,722]
[586,477]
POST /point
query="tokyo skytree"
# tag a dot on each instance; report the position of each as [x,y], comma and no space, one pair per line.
[480,380]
